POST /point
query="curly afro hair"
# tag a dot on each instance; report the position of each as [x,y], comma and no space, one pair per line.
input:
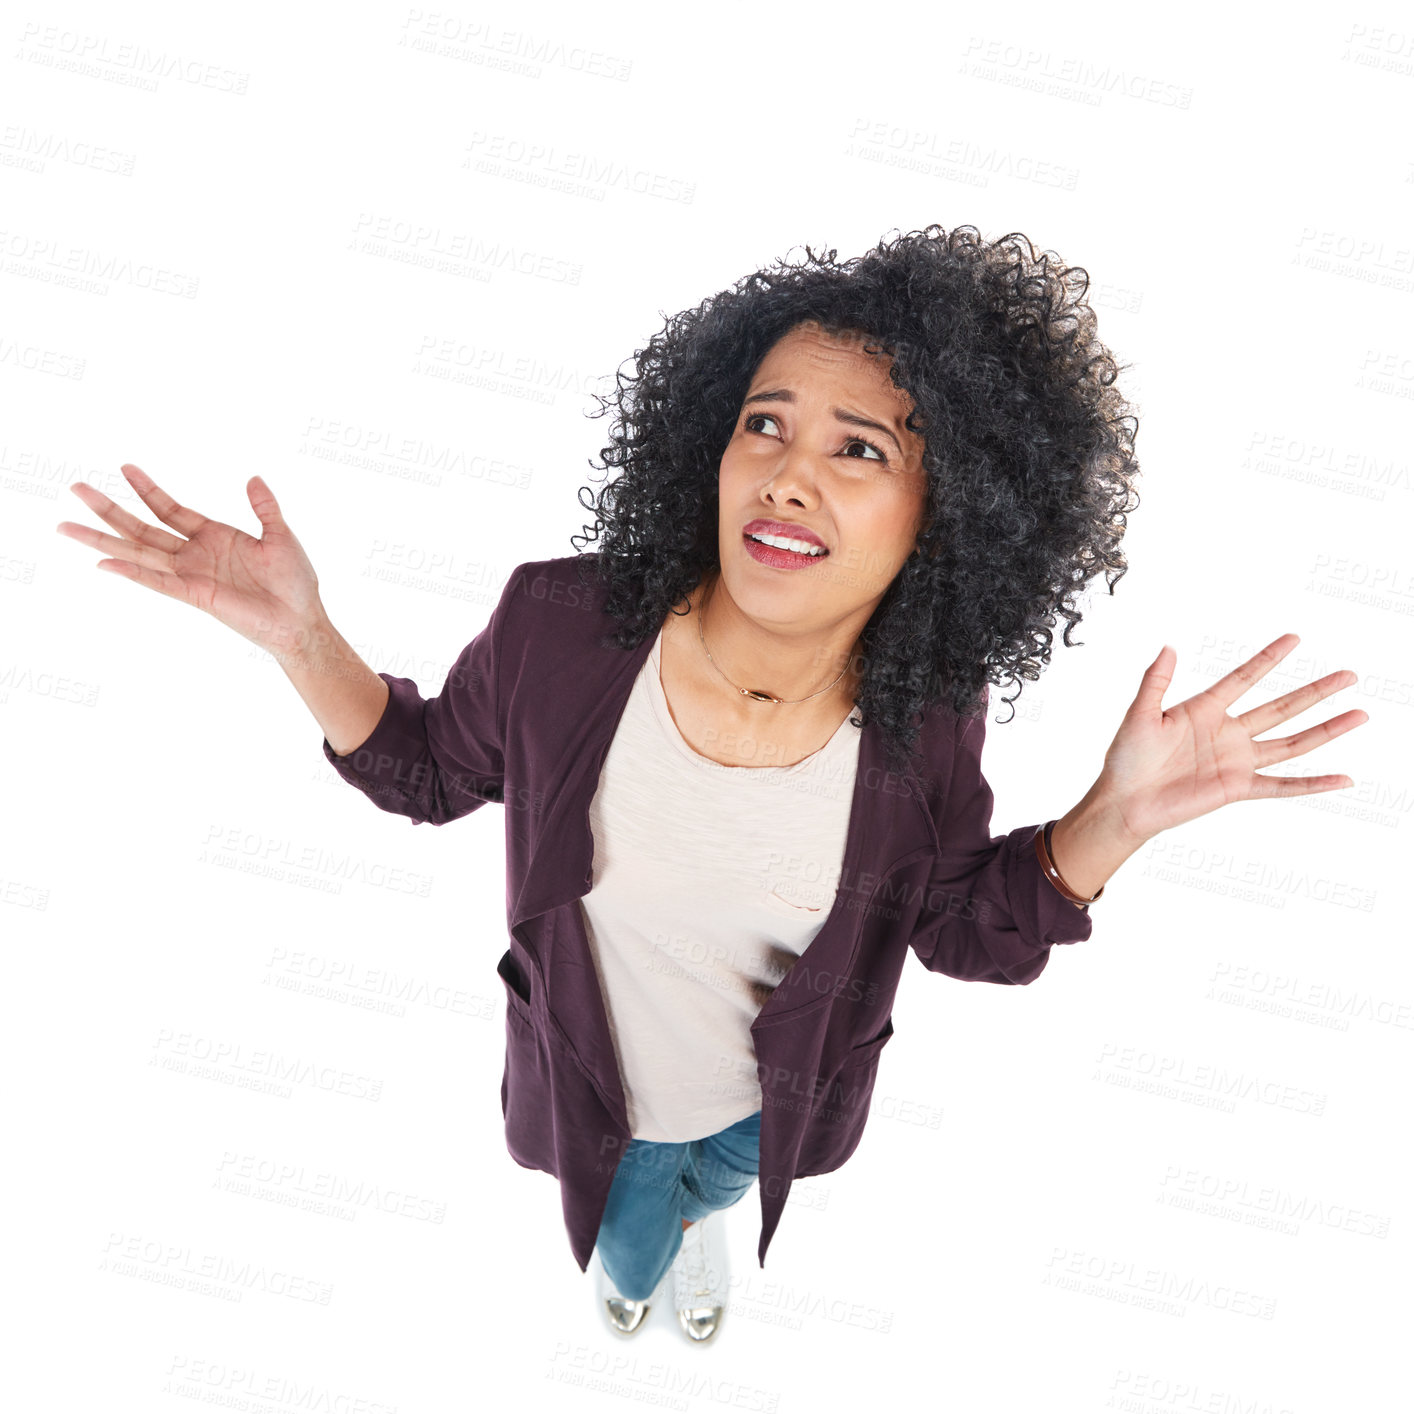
[1028,448]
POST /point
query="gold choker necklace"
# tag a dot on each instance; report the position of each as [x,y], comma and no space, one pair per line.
[752,692]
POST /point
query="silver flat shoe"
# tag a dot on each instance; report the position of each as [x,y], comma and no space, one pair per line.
[700,1279]
[624,1315]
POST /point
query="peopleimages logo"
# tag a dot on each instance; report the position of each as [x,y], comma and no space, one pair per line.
[892,895]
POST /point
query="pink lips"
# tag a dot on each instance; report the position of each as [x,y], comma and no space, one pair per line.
[771,555]
[787,528]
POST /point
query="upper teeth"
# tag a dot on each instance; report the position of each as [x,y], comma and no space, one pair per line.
[782,542]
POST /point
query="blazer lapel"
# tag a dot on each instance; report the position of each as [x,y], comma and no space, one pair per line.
[560,869]
[889,826]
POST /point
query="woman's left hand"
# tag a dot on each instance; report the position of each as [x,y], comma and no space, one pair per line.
[1168,766]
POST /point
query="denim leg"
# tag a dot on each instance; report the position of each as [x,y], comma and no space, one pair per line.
[658,1186]
[720,1169]
[640,1232]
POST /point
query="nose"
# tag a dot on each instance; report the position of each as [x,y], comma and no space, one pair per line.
[794,478]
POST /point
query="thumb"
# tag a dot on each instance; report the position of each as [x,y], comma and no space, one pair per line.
[1156,680]
[263,503]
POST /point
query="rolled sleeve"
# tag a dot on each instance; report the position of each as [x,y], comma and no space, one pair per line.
[991,915]
[439,759]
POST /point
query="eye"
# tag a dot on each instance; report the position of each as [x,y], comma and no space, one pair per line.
[865,442]
[850,442]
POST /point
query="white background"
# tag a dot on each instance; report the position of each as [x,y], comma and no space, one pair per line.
[1202,1103]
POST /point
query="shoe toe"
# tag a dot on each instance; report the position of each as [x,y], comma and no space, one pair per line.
[625,1316]
[700,1322]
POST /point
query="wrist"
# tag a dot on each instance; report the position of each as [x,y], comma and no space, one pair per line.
[1101,815]
[1090,842]
[307,644]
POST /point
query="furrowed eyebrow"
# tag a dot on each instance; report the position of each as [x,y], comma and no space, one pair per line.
[784,395]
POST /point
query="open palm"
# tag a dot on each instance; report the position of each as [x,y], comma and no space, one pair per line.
[1169,766]
[264,589]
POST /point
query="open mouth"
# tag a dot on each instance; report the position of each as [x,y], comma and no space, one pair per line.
[784,545]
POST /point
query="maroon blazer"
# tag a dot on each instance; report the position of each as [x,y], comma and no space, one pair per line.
[524,720]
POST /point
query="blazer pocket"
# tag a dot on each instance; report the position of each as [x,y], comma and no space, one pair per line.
[517,990]
[866,1050]
[837,1119]
[527,1080]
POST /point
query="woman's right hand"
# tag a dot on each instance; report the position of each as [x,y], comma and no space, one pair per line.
[265,589]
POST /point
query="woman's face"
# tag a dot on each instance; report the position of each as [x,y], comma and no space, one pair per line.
[800,455]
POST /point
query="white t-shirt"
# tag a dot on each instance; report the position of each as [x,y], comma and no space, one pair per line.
[709,881]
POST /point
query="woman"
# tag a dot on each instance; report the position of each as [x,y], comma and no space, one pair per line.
[739,743]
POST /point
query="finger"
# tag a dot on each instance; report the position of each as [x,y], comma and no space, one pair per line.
[161,504]
[124,521]
[263,503]
[1227,690]
[129,550]
[168,584]
[1271,786]
[1265,717]
[1284,748]
[1155,682]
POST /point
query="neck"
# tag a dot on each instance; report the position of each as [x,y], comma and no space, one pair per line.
[786,665]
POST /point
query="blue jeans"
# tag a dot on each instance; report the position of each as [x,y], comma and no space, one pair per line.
[659,1186]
